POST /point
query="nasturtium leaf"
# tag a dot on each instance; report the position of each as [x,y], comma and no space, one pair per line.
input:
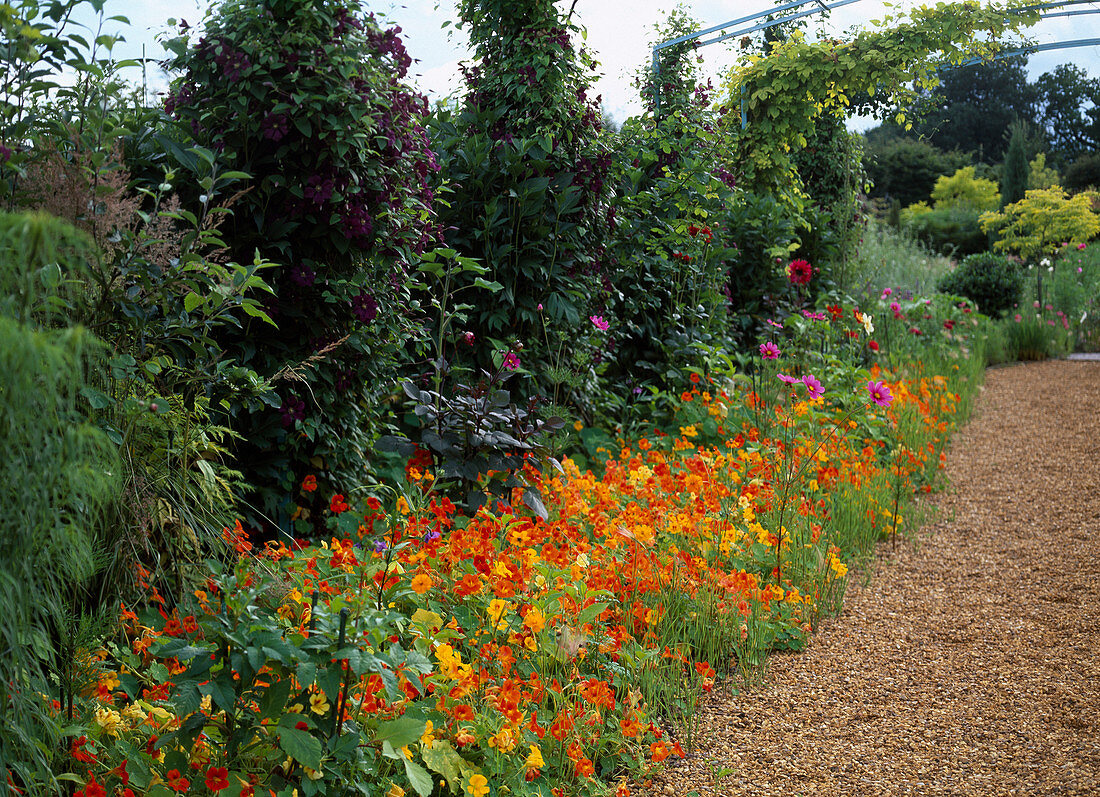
[300,745]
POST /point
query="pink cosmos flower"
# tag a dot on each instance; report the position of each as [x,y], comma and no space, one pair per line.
[880,393]
[896,308]
[1081,246]
[886,292]
[790,380]
[511,361]
[813,386]
[598,322]
[769,351]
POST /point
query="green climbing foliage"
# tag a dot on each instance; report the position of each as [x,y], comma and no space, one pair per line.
[786,92]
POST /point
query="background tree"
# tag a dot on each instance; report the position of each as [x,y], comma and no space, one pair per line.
[1015,173]
[972,106]
[905,168]
[1067,112]
[1083,173]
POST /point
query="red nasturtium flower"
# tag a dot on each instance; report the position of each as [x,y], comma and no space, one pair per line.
[338,504]
[176,781]
[309,483]
[92,788]
[217,778]
[79,753]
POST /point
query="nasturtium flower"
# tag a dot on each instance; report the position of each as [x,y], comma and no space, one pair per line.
[338,504]
[109,720]
[93,788]
[769,351]
[309,483]
[880,393]
[534,619]
[318,704]
[428,737]
[217,778]
[479,786]
[176,781]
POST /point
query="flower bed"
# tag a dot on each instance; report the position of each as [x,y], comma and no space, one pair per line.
[423,651]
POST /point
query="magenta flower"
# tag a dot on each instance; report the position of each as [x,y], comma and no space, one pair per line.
[799,272]
[769,351]
[598,322]
[511,361]
[880,393]
[813,386]
[886,292]
[1081,246]
[790,380]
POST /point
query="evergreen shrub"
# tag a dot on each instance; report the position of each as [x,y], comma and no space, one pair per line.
[991,281]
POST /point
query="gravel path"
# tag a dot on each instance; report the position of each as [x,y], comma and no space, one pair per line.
[970,665]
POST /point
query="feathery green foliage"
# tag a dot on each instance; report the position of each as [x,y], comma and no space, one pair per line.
[61,483]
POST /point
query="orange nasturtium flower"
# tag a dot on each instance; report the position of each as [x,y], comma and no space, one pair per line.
[534,619]
[479,786]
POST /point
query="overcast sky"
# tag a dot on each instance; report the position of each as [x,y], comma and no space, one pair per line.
[619,32]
